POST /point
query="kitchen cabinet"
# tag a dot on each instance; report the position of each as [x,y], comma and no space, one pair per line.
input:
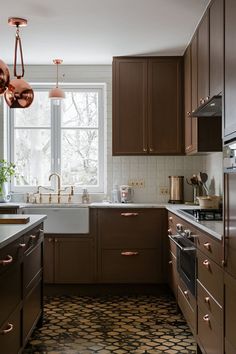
[210,294]
[230,312]
[216,17]
[10,210]
[130,245]
[147,106]
[230,70]
[21,292]
[69,259]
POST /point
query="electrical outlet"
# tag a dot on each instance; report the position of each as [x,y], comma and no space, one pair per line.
[164,190]
[136,183]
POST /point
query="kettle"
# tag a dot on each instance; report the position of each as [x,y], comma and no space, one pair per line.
[126,194]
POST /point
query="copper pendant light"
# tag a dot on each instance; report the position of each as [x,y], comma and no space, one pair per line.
[4,77]
[19,93]
[57,93]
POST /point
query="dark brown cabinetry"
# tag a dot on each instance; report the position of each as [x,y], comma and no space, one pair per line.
[147,106]
[20,289]
[230,311]
[69,259]
[230,69]
[203,60]
[130,245]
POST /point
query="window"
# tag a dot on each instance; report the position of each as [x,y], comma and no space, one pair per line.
[67,138]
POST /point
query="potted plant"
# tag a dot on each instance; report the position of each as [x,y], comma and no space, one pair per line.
[7,170]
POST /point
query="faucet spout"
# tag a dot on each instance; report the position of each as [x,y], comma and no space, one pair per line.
[58,180]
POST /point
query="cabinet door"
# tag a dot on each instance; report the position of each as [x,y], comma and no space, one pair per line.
[216,46]
[129,102]
[230,314]
[230,68]
[49,260]
[194,95]
[10,334]
[74,260]
[188,101]
[203,59]
[165,106]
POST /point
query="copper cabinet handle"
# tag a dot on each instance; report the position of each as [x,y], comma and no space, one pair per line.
[170,262]
[207,300]
[129,214]
[170,218]
[202,100]
[206,318]
[207,98]
[8,260]
[8,329]
[129,253]
[22,245]
[207,245]
[186,292]
[151,149]
[169,232]
[145,149]
[206,263]
[32,237]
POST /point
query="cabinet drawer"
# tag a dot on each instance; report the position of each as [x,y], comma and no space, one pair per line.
[32,266]
[10,291]
[11,254]
[188,311]
[32,309]
[120,266]
[211,276]
[208,303]
[210,334]
[210,247]
[33,237]
[10,334]
[123,228]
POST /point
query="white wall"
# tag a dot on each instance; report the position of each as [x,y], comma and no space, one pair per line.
[154,170]
[214,168]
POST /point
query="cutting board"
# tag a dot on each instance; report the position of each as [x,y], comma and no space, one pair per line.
[14,219]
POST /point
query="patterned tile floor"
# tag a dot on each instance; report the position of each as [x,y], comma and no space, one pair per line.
[112,324]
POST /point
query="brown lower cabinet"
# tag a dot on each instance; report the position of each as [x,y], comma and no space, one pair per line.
[130,245]
[69,259]
[21,294]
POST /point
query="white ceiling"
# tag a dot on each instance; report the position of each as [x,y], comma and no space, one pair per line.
[92,31]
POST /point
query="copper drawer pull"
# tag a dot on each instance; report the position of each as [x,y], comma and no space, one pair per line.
[169,232]
[8,260]
[206,318]
[170,218]
[207,245]
[206,263]
[145,149]
[8,329]
[129,253]
[129,214]
[22,245]
[207,300]
[170,262]
[32,237]
[186,293]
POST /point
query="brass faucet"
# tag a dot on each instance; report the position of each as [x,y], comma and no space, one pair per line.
[58,181]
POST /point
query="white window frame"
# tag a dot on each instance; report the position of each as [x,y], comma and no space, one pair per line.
[56,132]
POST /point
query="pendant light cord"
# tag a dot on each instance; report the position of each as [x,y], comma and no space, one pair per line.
[18,43]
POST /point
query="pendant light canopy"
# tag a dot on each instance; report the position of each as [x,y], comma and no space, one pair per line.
[19,93]
[57,93]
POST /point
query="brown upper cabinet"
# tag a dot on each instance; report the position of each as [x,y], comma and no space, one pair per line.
[204,77]
[147,106]
[230,69]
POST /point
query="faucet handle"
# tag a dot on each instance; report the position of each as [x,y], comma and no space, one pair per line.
[72,190]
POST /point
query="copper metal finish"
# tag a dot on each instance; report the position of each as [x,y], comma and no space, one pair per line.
[57,61]
[4,77]
[8,329]
[8,260]
[19,94]
[17,21]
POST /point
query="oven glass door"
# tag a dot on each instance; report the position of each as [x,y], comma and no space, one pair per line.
[186,261]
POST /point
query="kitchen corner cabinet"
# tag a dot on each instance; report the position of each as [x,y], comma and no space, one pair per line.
[230,70]
[147,106]
[130,245]
[21,294]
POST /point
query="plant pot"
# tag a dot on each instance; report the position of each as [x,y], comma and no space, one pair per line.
[4,194]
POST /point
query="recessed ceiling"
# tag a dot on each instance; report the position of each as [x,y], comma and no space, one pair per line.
[93,31]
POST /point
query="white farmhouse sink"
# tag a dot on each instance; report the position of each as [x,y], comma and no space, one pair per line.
[63,220]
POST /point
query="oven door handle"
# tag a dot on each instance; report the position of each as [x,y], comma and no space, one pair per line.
[184,249]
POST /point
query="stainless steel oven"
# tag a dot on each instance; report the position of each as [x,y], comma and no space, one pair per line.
[186,257]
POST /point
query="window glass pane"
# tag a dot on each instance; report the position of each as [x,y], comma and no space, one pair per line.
[80,109]
[79,163]
[38,114]
[32,156]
